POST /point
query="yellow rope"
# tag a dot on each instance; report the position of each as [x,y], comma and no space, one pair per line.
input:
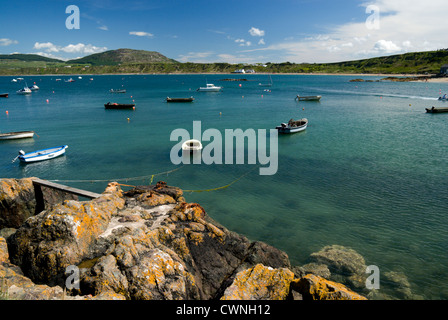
[157,174]
[223,187]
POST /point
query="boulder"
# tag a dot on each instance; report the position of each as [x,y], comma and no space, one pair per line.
[313,287]
[20,199]
[54,239]
[260,283]
[17,202]
[340,260]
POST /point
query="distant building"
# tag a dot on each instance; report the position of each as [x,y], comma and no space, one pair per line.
[444,69]
[239,71]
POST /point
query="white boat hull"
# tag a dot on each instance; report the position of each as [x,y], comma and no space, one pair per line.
[210,88]
[192,145]
[287,128]
[16,135]
[23,92]
[290,130]
[42,155]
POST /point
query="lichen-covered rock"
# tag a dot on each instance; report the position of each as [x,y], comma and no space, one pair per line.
[260,283]
[46,244]
[313,287]
[4,254]
[17,201]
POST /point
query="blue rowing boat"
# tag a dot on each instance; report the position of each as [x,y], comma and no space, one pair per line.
[41,155]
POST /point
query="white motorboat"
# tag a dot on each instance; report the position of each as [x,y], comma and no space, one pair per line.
[192,145]
[210,87]
[41,155]
[24,91]
[293,126]
[34,87]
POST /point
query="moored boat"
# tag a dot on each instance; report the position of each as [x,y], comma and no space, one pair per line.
[34,87]
[24,91]
[168,99]
[437,110]
[110,105]
[293,126]
[41,155]
[308,98]
[192,145]
[210,87]
[117,90]
[16,135]
[4,95]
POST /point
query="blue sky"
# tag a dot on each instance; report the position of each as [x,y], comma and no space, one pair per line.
[243,31]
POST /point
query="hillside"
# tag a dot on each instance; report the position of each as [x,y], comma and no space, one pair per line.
[122,56]
[27,57]
[141,61]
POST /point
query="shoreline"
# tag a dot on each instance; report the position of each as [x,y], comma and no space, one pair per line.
[428,80]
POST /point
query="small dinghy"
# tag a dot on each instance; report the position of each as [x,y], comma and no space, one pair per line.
[41,155]
[16,135]
[308,98]
[192,145]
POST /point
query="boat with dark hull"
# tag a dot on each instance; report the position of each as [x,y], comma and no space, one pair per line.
[110,105]
[168,99]
[437,110]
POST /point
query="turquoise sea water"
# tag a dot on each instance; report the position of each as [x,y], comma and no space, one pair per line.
[369,173]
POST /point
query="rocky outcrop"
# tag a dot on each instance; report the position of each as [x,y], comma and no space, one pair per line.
[146,243]
[20,199]
[317,288]
[260,283]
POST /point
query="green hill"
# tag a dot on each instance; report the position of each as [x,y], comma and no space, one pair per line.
[27,57]
[122,56]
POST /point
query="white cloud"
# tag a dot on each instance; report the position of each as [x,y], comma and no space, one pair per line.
[255,32]
[386,46]
[243,43]
[261,42]
[49,55]
[71,48]
[405,25]
[7,42]
[105,28]
[47,46]
[141,34]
